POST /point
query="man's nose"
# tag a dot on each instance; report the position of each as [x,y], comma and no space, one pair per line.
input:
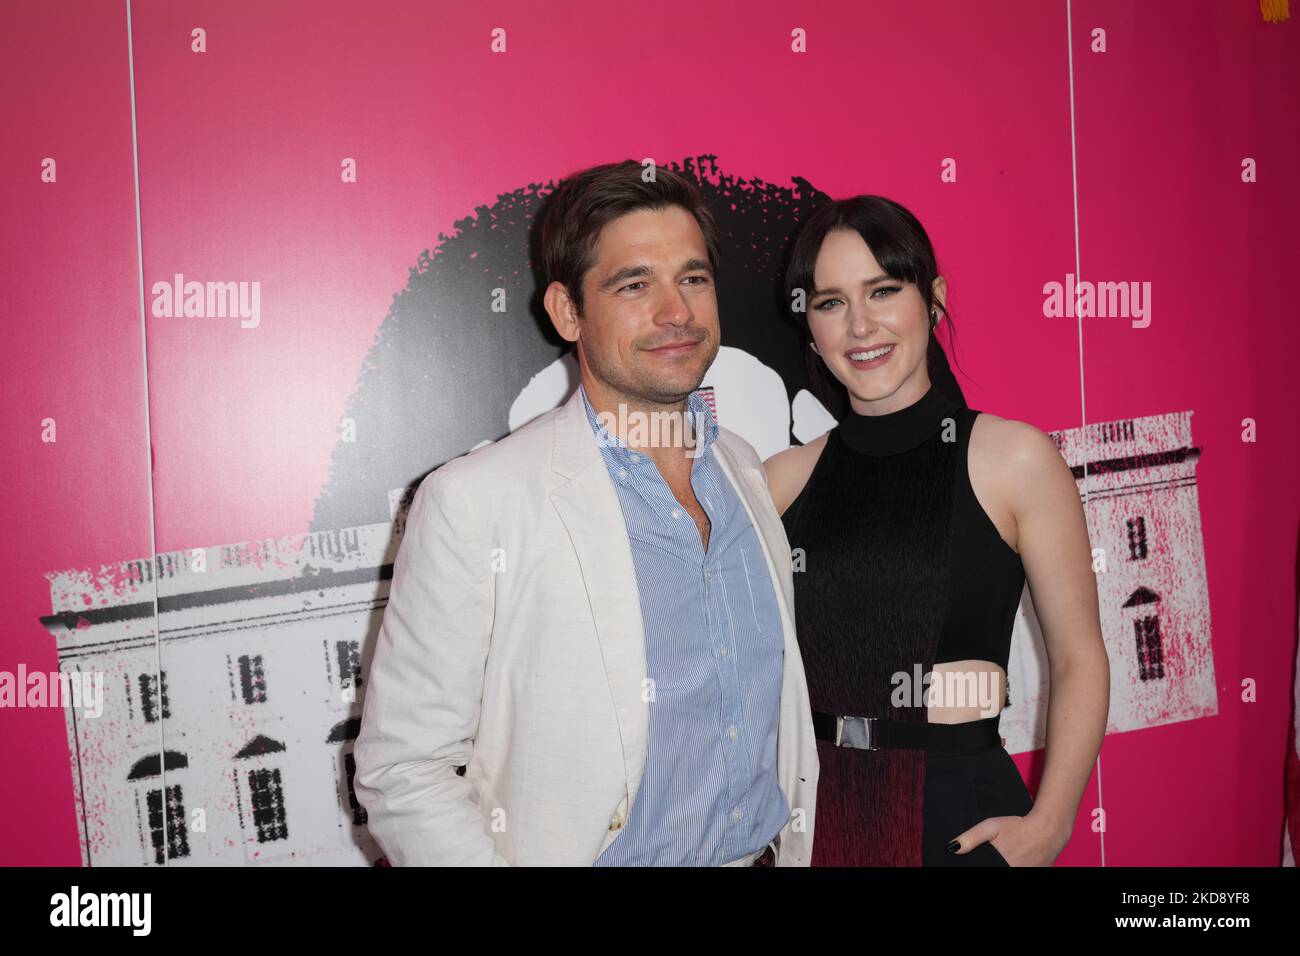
[675,310]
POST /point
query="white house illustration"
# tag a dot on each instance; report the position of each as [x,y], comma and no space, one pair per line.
[1143,515]
[226,739]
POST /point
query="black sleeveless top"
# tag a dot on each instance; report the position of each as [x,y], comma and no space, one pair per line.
[897,567]
[889,500]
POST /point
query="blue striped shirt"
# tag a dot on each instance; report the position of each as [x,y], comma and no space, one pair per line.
[714,652]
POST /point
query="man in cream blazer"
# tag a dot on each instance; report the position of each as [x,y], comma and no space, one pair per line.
[506,717]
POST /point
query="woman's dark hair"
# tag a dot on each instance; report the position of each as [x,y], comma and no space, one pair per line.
[584,203]
[899,242]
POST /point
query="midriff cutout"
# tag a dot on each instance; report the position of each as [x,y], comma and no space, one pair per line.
[976,690]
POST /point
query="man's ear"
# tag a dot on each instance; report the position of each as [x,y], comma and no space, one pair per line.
[940,292]
[563,312]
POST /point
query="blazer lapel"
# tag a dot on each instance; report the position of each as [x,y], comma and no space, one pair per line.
[589,508]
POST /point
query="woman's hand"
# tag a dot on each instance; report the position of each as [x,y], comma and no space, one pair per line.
[1022,841]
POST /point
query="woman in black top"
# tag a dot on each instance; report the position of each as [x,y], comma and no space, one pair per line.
[917,522]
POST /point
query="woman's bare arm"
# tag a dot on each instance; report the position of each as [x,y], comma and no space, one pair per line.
[1052,538]
[788,471]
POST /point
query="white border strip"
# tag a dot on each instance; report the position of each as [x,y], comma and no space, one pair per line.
[1083,405]
[148,437]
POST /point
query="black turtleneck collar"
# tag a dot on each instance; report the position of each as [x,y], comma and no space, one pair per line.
[900,431]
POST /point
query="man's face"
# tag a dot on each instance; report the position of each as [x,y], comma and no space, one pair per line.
[649,328]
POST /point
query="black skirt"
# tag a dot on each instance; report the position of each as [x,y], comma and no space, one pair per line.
[960,791]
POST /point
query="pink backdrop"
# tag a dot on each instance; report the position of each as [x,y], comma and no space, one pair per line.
[239,150]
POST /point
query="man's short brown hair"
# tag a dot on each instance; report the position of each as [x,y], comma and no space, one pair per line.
[584,203]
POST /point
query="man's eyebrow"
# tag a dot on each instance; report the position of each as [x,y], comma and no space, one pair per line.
[643,270]
[627,272]
[866,282]
[696,265]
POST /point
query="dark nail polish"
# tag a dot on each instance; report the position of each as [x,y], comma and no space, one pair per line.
[954,846]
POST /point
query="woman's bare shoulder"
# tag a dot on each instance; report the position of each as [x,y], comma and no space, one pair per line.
[788,471]
[1011,443]
[1014,467]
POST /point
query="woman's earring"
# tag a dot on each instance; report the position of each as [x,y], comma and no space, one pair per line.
[934,318]
[813,346]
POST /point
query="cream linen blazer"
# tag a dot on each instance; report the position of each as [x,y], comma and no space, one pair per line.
[512,646]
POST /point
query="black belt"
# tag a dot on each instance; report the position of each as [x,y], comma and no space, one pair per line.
[879,733]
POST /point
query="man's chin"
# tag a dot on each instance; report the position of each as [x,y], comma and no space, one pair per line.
[671,391]
[668,386]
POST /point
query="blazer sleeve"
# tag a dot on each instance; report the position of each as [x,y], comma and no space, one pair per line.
[421,710]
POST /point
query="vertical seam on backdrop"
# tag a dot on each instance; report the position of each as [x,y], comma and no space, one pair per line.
[148,440]
[1083,405]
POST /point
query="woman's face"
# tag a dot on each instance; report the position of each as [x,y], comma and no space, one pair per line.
[872,330]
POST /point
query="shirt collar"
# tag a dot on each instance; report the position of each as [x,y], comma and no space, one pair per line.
[701,420]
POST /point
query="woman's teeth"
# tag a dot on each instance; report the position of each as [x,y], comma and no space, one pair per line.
[873,354]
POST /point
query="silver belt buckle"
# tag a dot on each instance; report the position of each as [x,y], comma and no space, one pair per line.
[861,733]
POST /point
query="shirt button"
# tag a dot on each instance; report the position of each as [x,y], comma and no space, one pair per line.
[677,513]
[709,574]
[731,732]
[725,652]
[634,457]
[622,472]
[736,814]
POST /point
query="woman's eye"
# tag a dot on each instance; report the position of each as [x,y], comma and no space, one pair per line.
[887,288]
[821,306]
